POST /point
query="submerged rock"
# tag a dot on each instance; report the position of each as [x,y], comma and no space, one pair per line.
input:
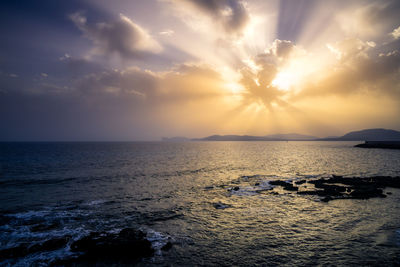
[221,206]
[380,144]
[15,252]
[287,186]
[339,187]
[167,246]
[128,245]
[235,188]
[25,249]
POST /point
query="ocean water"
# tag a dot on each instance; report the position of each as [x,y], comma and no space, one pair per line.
[180,192]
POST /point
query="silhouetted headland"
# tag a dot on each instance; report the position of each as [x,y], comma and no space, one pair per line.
[380,144]
[363,135]
[368,135]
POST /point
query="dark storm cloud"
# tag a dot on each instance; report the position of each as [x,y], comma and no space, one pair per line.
[232,14]
[121,36]
[35,34]
[106,104]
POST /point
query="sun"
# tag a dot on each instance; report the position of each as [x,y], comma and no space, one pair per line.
[283,80]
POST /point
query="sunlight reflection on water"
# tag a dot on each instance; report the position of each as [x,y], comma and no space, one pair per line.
[186,191]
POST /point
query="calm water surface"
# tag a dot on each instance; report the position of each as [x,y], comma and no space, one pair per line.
[171,191]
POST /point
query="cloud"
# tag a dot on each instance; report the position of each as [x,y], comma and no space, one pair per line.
[358,70]
[350,48]
[64,57]
[167,33]
[127,104]
[232,15]
[281,48]
[396,33]
[121,36]
[258,77]
[372,20]
[183,83]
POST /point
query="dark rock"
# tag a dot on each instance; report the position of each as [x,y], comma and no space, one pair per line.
[326,199]
[15,252]
[167,246]
[25,249]
[44,227]
[338,187]
[4,219]
[278,182]
[380,144]
[317,192]
[290,187]
[256,184]
[300,182]
[366,192]
[127,246]
[285,185]
[52,244]
[236,188]
[220,206]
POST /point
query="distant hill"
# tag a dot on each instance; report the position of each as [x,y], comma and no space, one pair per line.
[233,138]
[275,137]
[368,135]
[363,135]
[175,139]
[292,136]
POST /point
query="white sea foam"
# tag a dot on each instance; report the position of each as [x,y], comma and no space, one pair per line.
[158,240]
[96,202]
[251,190]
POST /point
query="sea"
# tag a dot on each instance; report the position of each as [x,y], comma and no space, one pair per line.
[182,193]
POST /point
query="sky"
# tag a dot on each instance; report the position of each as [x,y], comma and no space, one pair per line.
[124,70]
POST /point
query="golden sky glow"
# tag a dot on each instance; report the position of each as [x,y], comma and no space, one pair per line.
[186,67]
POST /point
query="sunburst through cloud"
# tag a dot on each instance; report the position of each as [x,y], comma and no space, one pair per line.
[200,133]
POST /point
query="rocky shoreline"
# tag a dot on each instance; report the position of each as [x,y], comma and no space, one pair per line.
[325,188]
[127,247]
[339,187]
[380,144]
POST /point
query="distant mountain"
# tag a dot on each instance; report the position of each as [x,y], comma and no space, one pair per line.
[175,139]
[363,135]
[275,137]
[368,135]
[233,138]
[292,136]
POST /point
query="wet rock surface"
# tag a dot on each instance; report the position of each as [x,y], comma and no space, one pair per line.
[128,246]
[221,206]
[338,187]
[326,188]
[25,249]
[286,185]
[380,144]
